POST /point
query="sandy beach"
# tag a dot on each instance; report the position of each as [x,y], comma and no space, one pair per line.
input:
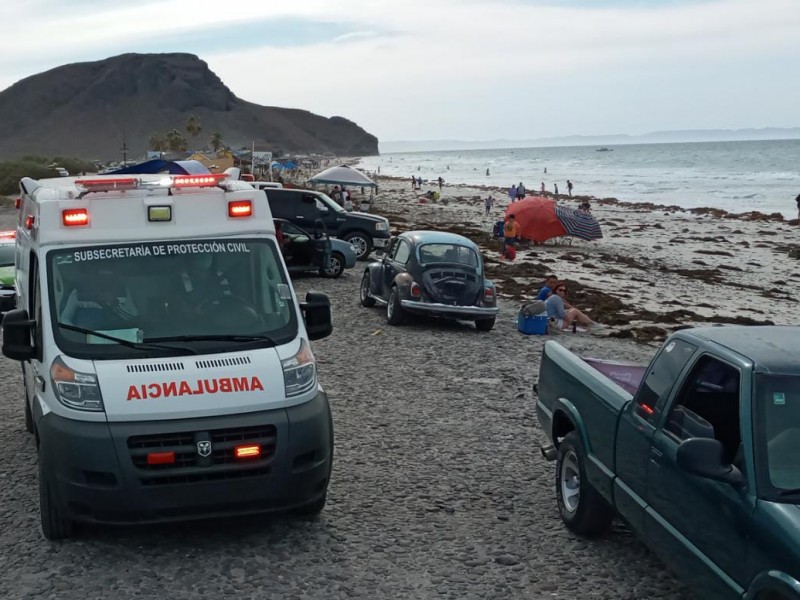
[657,268]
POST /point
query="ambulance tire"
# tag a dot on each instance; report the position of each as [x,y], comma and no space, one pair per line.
[55,523]
[28,416]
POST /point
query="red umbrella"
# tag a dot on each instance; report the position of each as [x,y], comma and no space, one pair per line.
[537,218]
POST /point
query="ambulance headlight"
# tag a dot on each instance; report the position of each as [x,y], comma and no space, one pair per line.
[300,371]
[73,389]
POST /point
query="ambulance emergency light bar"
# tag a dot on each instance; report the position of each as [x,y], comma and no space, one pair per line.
[109,184]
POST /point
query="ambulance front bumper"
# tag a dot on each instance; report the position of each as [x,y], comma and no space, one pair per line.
[107,473]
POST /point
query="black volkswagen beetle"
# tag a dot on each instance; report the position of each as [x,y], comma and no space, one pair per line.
[431,272]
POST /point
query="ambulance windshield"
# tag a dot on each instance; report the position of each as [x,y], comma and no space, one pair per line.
[205,294]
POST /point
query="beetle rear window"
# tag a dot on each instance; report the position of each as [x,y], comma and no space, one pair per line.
[448,253]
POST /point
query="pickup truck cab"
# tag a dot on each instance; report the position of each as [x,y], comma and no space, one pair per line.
[166,361]
[701,457]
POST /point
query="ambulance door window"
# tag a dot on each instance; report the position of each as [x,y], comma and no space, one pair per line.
[36,304]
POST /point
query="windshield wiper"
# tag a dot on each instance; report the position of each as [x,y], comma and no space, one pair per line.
[214,338]
[124,342]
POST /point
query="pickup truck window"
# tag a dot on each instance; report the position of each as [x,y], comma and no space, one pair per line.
[778,436]
[662,375]
[708,406]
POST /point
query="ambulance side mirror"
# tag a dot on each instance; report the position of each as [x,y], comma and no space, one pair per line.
[17,335]
[317,313]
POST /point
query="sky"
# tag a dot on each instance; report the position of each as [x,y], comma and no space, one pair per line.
[454,69]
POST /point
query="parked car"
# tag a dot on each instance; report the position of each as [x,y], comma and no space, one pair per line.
[431,272]
[304,207]
[699,453]
[304,251]
[8,291]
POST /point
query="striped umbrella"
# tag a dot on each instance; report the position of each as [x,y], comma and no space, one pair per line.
[579,223]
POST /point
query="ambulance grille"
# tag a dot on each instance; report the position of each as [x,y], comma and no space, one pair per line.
[222,362]
[155,367]
[189,466]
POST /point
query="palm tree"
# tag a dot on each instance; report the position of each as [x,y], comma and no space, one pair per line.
[216,141]
[158,142]
[193,126]
[175,140]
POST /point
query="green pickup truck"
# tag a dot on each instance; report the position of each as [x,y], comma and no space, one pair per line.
[699,453]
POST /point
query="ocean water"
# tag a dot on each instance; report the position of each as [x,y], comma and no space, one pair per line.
[737,177]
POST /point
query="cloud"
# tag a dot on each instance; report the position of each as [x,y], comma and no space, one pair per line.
[453,68]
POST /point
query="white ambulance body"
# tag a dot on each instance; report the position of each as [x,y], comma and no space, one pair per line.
[167,367]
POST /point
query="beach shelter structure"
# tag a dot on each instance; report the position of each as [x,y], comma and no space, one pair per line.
[537,218]
[542,219]
[343,175]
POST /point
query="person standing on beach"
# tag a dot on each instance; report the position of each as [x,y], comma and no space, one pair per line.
[569,188]
[419,183]
[488,203]
[543,187]
[555,193]
[520,191]
[798,208]
[441,182]
[510,232]
[512,192]
[413,182]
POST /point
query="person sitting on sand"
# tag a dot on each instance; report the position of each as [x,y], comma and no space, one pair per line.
[549,285]
[510,232]
[561,316]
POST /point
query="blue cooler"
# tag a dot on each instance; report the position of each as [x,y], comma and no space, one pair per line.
[532,325]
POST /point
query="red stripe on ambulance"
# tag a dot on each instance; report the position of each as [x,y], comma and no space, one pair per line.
[223,385]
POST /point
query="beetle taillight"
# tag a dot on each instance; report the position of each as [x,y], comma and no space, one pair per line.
[415,290]
[488,295]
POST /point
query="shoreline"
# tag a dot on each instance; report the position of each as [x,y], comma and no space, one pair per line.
[673,208]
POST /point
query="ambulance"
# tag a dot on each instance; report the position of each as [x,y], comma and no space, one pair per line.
[167,365]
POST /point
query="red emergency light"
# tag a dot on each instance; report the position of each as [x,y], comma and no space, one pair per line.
[248,451]
[106,184]
[17,202]
[206,180]
[160,458]
[75,217]
[29,221]
[240,208]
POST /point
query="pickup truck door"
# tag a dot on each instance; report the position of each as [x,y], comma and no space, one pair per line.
[638,424]
[699,526]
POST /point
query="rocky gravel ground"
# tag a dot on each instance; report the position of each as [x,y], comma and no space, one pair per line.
[438,489]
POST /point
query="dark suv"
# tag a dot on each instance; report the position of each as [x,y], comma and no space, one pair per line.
[304,207]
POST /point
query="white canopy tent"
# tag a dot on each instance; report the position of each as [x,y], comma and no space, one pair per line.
[343,175]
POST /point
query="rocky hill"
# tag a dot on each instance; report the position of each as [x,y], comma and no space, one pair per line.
[82,109]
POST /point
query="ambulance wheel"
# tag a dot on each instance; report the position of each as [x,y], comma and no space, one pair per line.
[56,525]
[28,415]
[312,510]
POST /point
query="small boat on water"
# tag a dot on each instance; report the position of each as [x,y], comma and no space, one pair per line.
[604,149]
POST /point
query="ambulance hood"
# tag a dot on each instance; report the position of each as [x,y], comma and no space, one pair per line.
[192,386]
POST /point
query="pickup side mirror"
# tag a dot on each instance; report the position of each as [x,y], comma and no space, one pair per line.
[704,457]
[17,328]
[317,313]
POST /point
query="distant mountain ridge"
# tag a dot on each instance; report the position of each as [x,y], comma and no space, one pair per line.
[656,137]
[82,110]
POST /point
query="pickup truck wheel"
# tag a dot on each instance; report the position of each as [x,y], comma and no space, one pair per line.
[366,299]
[55,523]
[361,243]
[394,312]
[582,509]
[485,324]
[335,266]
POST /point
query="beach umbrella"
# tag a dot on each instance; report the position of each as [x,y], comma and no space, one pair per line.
[343,175]
[537,218]
[579,223]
